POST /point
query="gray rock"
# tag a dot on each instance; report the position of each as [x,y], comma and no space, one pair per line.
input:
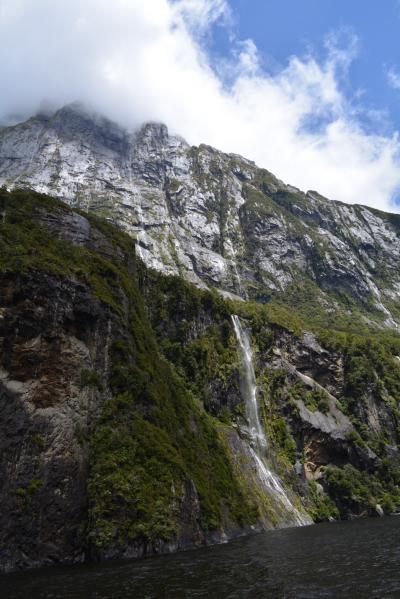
[215,218]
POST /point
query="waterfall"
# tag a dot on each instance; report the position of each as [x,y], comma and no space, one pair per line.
[249,388]
[257,439]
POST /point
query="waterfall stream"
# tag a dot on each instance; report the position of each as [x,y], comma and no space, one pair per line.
[258,444]
[249,388]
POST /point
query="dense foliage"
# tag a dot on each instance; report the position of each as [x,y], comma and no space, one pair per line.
[174,386]
[153,441]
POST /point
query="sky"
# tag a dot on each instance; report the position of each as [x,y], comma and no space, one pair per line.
[309,89]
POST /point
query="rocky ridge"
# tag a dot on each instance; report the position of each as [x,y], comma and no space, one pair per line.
[123,429]
[214,218]
[122,421]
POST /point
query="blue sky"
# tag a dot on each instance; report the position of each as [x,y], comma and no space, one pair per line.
[282,28]
[309,89]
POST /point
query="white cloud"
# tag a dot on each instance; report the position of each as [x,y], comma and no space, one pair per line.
[138,60]
[393,77]
[248,62]
[200,14]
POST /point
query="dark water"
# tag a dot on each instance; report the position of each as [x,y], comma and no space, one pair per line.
[351,560]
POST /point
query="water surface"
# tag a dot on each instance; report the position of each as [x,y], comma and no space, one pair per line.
[345,560]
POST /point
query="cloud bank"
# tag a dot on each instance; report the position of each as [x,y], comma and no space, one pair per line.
[138,60]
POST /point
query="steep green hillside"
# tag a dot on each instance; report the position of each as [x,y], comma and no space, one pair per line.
[121,413]
[360,373]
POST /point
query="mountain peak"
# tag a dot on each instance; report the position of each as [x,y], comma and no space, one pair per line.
[215,218]
[154,130]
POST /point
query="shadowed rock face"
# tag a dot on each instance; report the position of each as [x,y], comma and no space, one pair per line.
[122,425]
[50,331]
[58,370]
[214,218]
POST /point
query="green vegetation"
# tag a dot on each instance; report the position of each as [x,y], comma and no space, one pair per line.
[314,399]
[355,492]
[151,441]
[26,245]
[274,408]
[208,359]
[90,378]
[159,445]
[323,507]
[154,450]
[24,495]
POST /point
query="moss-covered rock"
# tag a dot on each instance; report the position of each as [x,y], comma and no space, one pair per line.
[121,406]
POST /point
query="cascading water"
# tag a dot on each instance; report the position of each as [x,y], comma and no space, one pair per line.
[257,438]
[249,388]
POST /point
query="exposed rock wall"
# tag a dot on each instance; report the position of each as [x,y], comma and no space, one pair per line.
[51,332]
[121,417]
[215,218]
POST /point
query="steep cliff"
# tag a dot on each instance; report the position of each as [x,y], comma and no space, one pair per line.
[106,452]
[329,399]
[215,218]
[122,422]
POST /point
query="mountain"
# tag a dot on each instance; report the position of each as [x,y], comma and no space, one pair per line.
[141,413]
[215,218]
[107,447]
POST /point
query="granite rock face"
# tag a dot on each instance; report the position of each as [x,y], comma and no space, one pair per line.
[214,218]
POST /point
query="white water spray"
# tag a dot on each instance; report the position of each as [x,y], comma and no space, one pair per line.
[256,433]
[249,388]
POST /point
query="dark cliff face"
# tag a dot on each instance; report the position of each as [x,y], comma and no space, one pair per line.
[104,451]
[121,414]
[52,331]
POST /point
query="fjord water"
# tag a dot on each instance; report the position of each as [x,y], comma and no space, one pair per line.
[344,560]
[255,431]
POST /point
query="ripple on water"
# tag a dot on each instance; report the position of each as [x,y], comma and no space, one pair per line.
[353,560]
